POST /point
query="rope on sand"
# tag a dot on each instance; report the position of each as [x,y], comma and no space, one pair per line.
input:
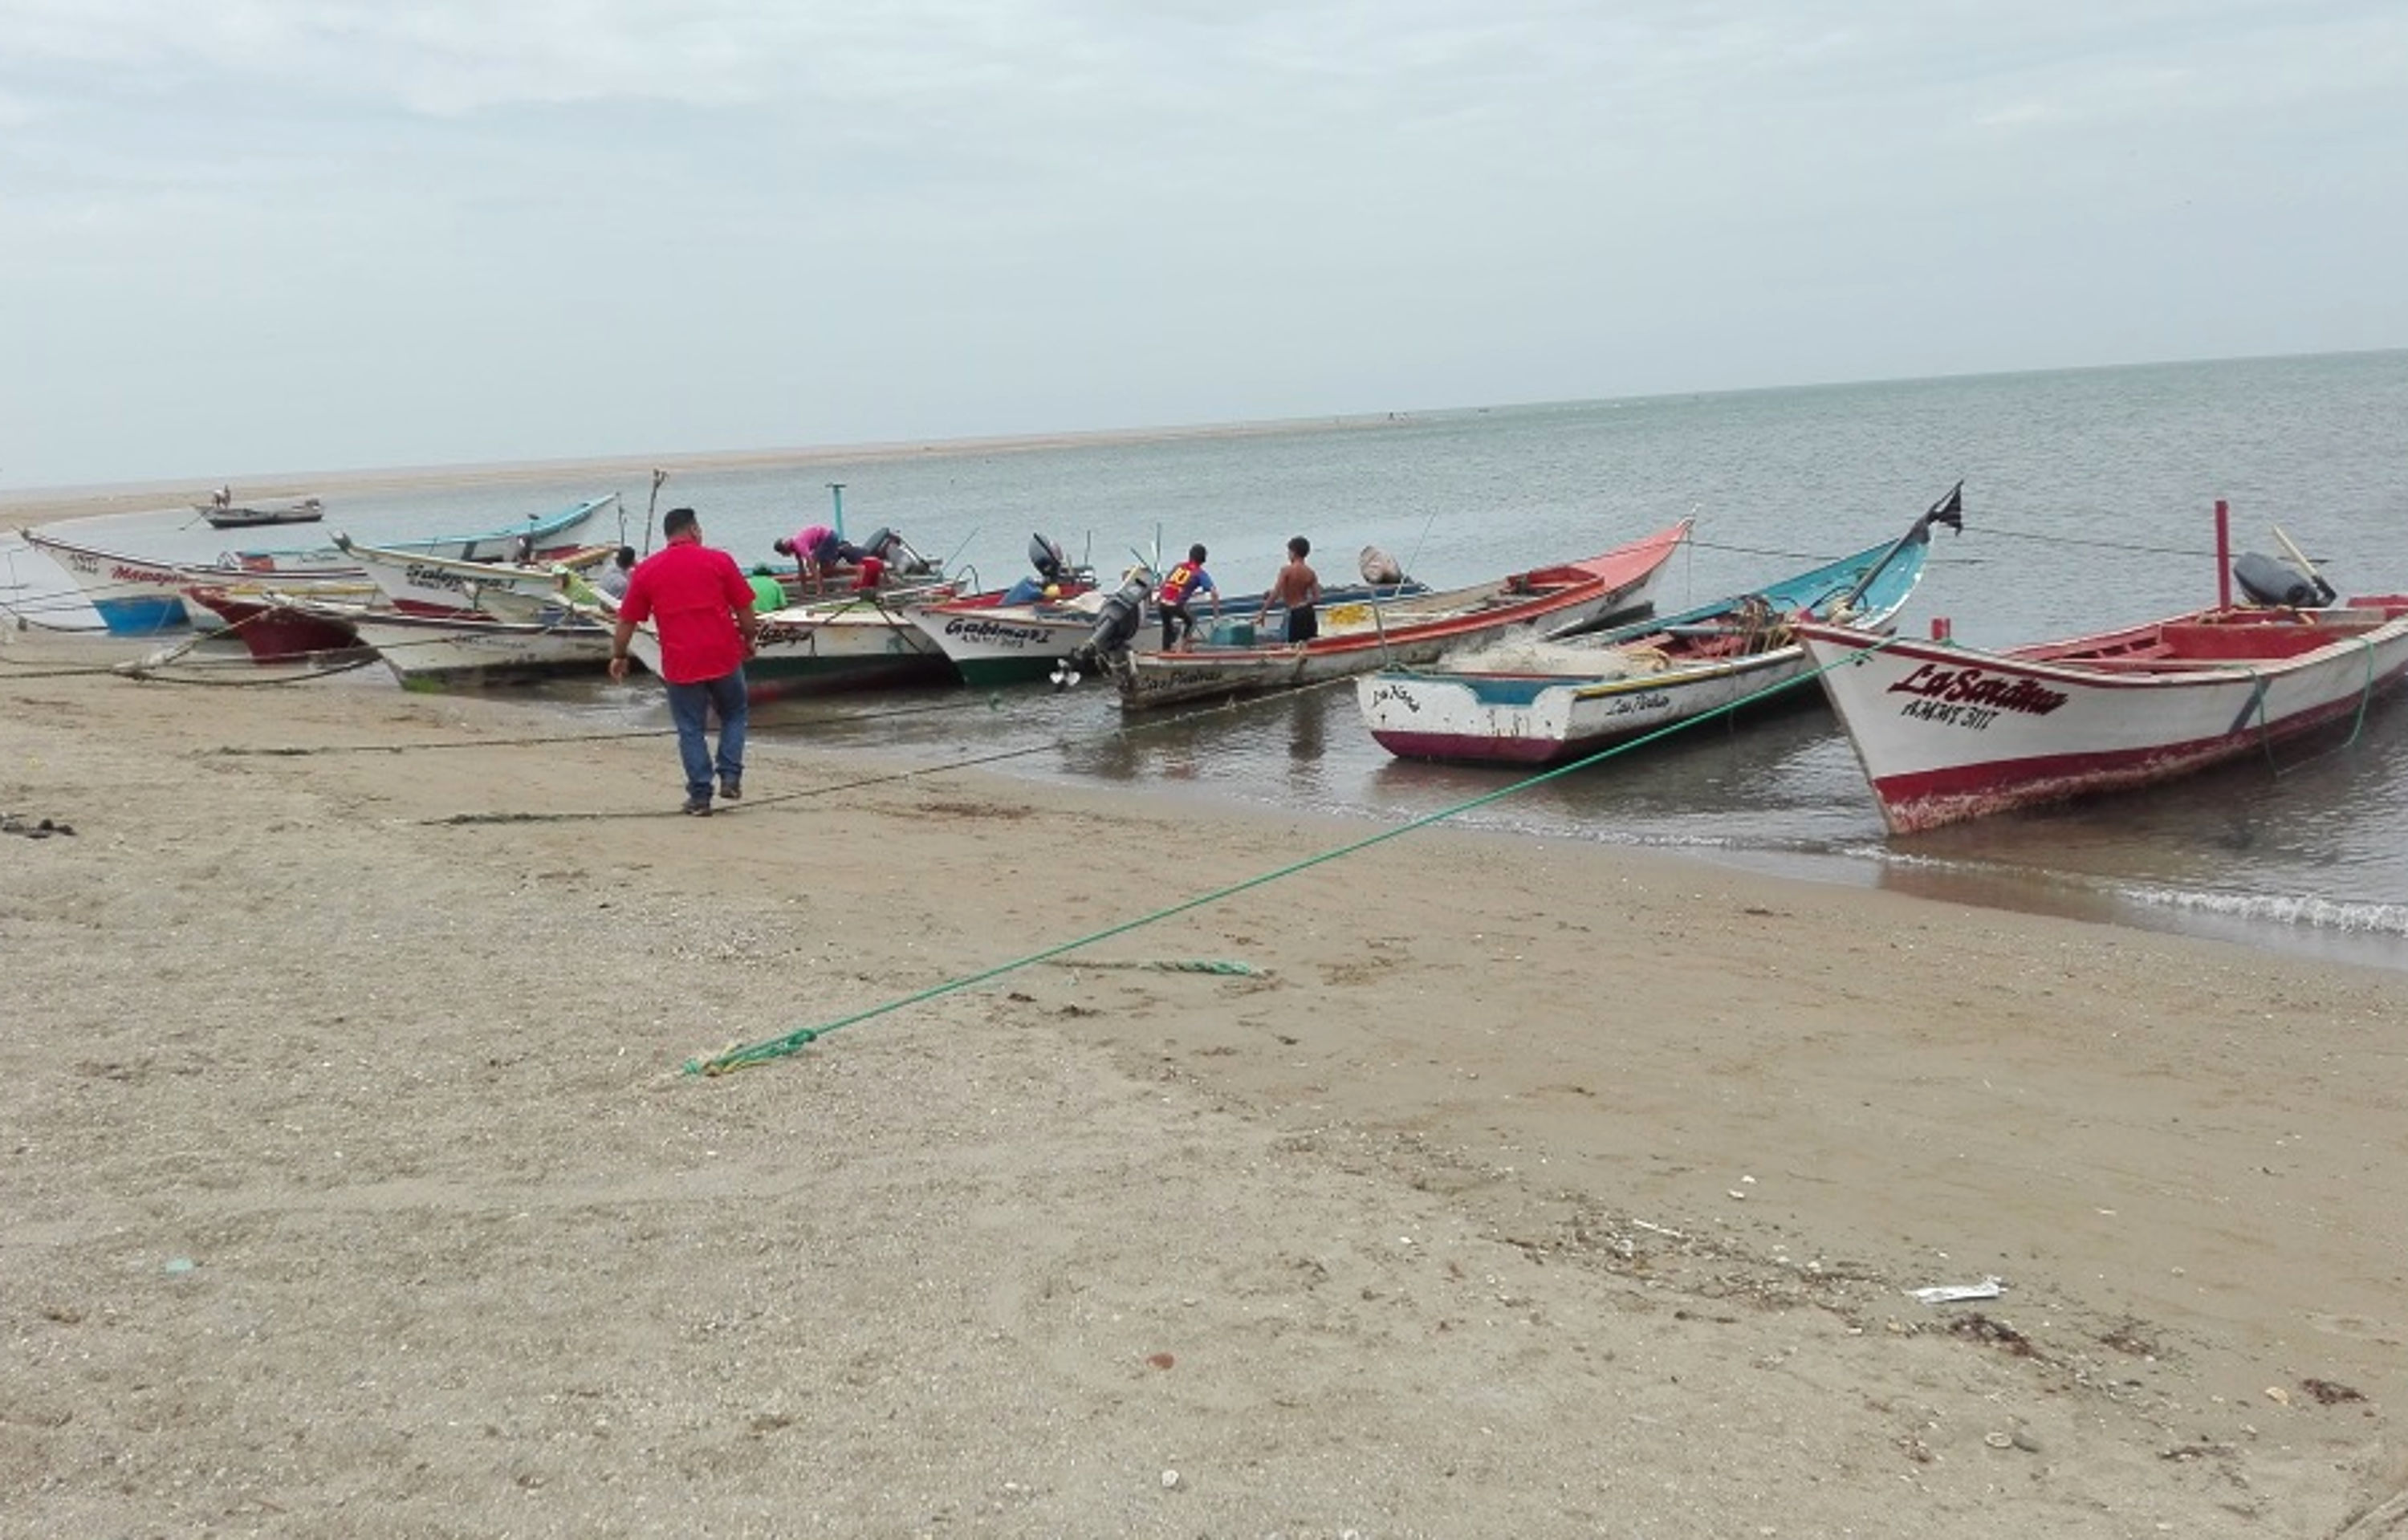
[748,1056]
[1235,969]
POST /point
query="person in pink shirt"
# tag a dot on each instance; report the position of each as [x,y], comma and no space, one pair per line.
[701,606]
[815,551]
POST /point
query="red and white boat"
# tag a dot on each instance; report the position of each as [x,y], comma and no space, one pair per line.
[277,627]
[1947,733]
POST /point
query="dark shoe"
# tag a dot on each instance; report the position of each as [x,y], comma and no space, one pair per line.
[698,807]
[732,788]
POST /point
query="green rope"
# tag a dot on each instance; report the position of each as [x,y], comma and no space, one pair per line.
[1236,970]
[2365,693]
[738,1057]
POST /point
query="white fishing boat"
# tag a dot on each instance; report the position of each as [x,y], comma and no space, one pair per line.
[1947,732]
[418,582]
[1537,703]
[437,652]
[863,641]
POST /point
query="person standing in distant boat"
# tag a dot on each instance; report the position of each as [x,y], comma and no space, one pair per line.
[1178,589]
[699,603]
[1298,587]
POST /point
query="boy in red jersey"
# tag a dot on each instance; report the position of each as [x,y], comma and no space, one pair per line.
[1185,582]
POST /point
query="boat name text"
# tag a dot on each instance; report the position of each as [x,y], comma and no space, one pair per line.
[999,633]
[1941,687]
[422,576]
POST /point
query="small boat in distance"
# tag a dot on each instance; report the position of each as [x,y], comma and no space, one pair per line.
[1947,733]
[222,512]
[1538,703]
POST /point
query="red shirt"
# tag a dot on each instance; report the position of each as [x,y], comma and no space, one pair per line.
[691,594]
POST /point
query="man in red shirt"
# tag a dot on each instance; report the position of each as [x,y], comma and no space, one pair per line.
[701,606]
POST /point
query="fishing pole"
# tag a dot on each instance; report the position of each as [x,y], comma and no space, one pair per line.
[659,476]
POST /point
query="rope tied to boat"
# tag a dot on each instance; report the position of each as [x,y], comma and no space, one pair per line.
[750,1055]
[2365,692]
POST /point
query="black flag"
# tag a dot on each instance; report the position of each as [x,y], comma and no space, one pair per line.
[1949,510]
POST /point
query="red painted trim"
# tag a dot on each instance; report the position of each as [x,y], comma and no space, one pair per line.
[1926,799]
[1471,749]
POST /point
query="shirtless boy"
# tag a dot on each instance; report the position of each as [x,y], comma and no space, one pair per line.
[1298,587]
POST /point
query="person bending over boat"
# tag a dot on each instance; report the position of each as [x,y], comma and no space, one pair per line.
[1298,587]
[816,550]
[699,603]
[1178,589]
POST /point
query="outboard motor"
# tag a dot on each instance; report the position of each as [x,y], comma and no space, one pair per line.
[1116,625]
[1379,568]
[2268,581]
[1047,558]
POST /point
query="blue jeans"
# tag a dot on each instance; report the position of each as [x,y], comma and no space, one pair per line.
[687,705]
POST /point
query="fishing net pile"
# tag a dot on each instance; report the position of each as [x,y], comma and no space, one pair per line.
[1536,655]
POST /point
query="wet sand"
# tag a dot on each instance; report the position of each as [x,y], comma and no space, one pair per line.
[353,1185]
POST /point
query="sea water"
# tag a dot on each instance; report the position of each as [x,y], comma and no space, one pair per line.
[2088,504]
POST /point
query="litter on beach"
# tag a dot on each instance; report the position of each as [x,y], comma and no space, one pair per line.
[1949,1294]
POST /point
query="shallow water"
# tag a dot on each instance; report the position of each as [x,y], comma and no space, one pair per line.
[2088,503]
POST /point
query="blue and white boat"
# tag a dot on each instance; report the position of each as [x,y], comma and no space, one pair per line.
[139,596]
[1550,703]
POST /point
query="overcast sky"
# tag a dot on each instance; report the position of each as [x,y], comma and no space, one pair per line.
[253,235]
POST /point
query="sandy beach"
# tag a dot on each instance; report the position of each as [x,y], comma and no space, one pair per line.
[354,1184]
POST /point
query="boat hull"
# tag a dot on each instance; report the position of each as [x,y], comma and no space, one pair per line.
[434,652]
[803,651]
[309,511]
[133,597]
[997,648]
[274,629]
[1948,734]
[419,583]
[1536,722]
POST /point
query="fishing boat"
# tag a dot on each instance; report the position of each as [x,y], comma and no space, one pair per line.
[275,628]
[1359,638]
[1538,703]
[306,510]
[133,595]
[139,596]
[993,643]
[863,641]
[1947,733]
[447,651]
[419,582]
